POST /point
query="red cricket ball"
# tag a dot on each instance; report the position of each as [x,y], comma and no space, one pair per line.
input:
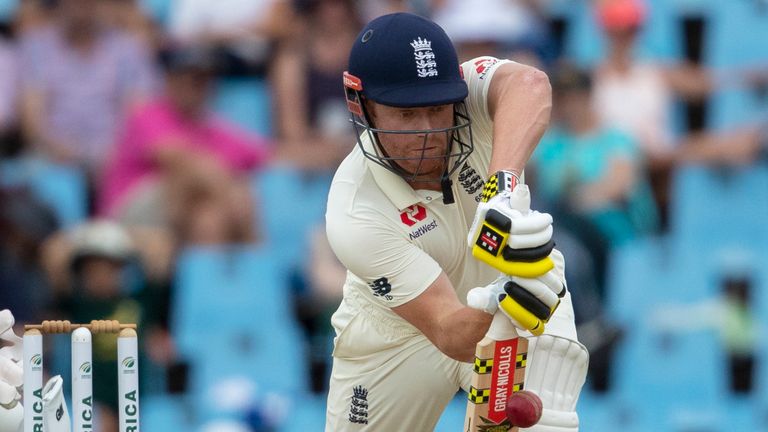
[524,409]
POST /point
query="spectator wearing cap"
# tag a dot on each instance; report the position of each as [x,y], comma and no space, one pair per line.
[636,96]
[79,78]
[177,166]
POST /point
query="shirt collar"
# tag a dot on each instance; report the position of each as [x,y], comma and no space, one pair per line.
[395,187]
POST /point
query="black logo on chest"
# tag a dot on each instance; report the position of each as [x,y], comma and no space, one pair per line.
[358,408]
[471,181]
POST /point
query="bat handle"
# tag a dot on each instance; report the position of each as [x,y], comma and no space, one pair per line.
[501,327]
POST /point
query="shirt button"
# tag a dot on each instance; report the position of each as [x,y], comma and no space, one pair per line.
[429,198]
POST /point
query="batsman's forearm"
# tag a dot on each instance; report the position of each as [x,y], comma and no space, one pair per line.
[520,105]
[461,331]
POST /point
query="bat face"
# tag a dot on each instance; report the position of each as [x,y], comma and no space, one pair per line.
[498,371]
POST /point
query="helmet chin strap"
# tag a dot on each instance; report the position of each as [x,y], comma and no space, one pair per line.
[445,185]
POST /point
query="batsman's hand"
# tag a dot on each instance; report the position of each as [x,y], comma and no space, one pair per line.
[506,234]
[11,375]
[528,302]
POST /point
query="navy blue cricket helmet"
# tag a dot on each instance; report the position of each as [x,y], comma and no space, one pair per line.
[407,61]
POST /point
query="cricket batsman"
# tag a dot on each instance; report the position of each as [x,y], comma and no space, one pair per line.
[421,214]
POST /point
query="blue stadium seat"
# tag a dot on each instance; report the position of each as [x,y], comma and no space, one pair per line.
[8,9]
[637,277]
[307,414]
[224,289]
[661,375]
[63,188]
[737,34]
[453,416]
[199,274]
[161,413]
[731,108]
[759,271]
[607,413]
[159,10]
[584,43]
[232,317]
[703,200]
[271,358]
[246,102]
[735,40]
[291,203]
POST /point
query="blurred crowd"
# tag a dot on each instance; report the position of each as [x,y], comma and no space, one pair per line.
[122,96]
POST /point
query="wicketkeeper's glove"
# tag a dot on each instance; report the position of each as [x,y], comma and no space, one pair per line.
[55,416]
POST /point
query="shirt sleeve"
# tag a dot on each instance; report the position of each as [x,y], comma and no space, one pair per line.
[478,73]
[393,269]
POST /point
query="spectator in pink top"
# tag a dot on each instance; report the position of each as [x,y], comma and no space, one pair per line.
[178,166]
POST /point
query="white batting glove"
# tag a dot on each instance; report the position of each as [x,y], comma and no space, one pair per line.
[486,298]
[11,375]
[527,302]
[506,234]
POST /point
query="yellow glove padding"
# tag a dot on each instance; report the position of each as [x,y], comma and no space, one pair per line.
[488,248]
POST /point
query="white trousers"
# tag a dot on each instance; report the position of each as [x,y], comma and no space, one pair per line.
[387,376]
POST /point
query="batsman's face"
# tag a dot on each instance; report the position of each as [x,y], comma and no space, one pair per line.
[423,153]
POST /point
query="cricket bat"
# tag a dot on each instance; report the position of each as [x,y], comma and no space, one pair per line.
[498,371]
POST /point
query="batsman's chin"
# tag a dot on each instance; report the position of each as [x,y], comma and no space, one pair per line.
[11,417]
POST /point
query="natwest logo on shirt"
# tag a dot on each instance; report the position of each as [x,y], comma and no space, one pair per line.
[413,215]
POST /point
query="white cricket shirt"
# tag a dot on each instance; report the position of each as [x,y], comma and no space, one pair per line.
[395,240]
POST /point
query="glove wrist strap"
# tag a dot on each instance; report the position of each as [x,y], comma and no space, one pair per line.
[499,182]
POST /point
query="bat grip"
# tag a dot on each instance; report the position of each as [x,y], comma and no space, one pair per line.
[501,327]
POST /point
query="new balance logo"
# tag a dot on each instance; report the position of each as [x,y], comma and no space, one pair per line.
[381,288]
